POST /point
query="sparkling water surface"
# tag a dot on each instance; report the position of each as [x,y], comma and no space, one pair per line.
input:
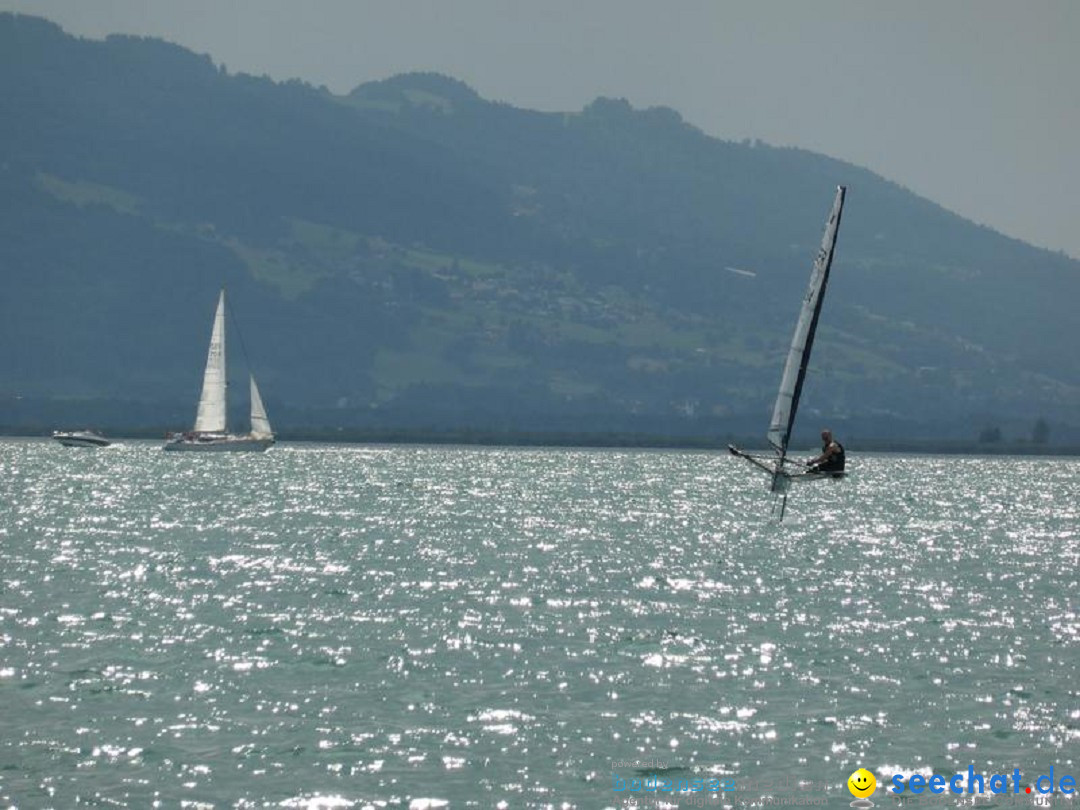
[421,627]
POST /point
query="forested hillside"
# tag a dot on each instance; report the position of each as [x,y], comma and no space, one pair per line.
[412,255]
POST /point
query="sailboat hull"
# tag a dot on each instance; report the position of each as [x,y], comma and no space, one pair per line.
[218,444]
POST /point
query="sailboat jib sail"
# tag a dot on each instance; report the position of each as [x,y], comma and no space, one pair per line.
[798,359]
[210,431]
[260,424]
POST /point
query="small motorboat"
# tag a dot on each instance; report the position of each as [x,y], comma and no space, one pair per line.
[80,438]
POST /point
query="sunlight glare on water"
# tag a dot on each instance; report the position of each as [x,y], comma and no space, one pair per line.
[353,626]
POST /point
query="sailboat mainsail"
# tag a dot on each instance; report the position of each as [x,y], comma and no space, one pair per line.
[211,416]
[798,359]
[791,382]
[210,431]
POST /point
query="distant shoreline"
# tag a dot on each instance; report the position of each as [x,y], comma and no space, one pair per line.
[615,440]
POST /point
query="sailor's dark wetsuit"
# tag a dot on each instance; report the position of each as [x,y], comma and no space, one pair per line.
[833,464]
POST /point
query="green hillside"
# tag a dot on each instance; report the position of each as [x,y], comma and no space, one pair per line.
[411,254]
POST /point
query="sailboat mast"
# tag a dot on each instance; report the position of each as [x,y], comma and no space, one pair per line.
[798,359]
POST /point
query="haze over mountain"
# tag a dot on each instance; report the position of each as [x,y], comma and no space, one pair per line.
[410,254]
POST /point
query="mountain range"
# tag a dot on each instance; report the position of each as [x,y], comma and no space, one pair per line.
[411,255]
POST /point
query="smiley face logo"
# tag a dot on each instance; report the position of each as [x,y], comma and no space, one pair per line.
[861,783]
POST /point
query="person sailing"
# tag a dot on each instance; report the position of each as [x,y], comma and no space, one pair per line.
[831,459]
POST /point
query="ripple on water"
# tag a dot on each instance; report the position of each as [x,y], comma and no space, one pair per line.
[424,627]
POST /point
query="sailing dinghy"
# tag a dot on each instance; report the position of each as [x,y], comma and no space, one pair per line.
[210,433]
[780,468]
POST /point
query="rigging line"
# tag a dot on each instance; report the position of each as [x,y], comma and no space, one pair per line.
[239,335]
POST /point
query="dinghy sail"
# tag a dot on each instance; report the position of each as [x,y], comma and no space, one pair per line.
[798,359]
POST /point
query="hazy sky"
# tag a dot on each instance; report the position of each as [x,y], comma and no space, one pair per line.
[974,104]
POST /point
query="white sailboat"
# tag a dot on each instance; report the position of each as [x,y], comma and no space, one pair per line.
[210,433]
[782,469]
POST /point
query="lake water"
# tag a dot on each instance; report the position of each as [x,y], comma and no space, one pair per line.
[367,626]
